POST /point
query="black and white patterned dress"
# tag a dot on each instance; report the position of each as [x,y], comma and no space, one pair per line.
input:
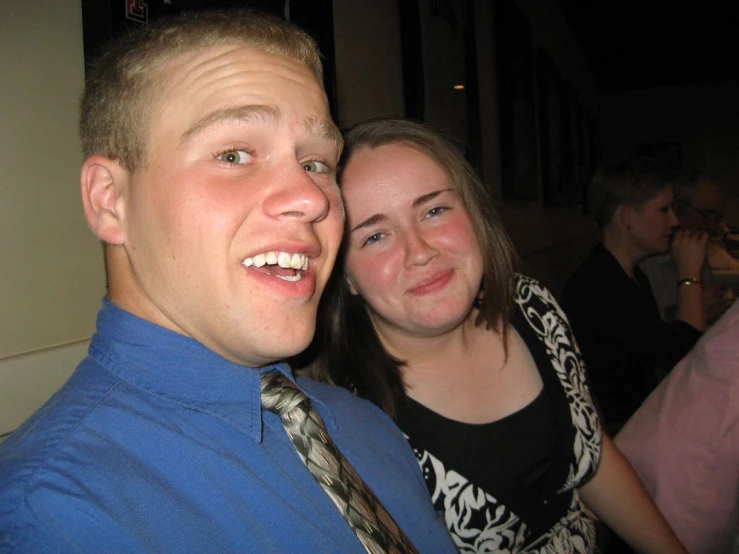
[517,518]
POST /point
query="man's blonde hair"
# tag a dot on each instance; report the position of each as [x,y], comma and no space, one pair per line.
[122,91]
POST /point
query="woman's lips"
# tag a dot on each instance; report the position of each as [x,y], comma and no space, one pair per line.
[433,284]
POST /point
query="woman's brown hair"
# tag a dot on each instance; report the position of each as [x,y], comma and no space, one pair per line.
[346,350]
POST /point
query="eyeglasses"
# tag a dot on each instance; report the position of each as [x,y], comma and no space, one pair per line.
[712,215]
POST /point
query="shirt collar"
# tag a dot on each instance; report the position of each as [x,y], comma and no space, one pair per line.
[181,369]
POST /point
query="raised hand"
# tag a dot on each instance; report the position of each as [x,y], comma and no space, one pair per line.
[689,251]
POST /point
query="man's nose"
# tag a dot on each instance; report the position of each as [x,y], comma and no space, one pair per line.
[674,221]
[297,196]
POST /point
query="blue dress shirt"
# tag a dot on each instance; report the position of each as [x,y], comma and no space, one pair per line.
[156,444]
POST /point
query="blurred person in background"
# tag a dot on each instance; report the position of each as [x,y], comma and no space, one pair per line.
[698,208]
[608,299]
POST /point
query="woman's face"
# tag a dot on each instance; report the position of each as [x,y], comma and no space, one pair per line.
[653,223]
[412,252]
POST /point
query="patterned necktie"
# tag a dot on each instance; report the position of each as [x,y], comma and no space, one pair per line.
[373,526]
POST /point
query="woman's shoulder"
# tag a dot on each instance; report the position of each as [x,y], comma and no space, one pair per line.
[533,299]
[528,289]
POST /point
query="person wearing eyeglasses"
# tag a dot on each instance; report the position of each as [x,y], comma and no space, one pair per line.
[697,206]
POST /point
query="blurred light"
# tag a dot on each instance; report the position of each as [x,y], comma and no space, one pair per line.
[458,87]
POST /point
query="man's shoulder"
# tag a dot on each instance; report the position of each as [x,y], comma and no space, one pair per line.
[354,416]
[36,452]
[59,416]
[381,455]
[340,401]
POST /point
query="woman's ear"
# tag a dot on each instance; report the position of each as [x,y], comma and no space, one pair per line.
[102,182]
[625,214]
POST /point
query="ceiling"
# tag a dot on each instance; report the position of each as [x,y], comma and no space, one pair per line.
[636,44]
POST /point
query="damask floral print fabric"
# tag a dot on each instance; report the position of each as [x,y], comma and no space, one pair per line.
[477,520]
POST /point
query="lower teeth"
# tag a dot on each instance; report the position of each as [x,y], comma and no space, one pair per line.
[291,278]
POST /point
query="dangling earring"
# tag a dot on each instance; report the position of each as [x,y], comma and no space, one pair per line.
[477,303]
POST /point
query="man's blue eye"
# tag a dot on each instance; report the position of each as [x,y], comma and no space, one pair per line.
[314,166]
[234,157]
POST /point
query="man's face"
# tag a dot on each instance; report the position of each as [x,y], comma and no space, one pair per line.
[699,210]
[231,230]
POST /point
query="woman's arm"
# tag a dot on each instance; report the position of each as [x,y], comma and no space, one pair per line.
[616,496]
[689,251]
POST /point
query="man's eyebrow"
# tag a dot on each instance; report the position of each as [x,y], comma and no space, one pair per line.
[324,129]
[252,113]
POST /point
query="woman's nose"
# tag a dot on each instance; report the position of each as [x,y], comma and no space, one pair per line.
[418,249]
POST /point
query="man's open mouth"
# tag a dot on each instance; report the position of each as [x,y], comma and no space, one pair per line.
[283,265]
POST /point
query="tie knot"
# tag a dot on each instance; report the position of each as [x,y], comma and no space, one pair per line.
[279,394]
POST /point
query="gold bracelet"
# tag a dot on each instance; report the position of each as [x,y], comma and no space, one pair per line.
[689,281]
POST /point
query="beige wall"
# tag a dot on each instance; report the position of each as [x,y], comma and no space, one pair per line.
[27,381]
[51,277]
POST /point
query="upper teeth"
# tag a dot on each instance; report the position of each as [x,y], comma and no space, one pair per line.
[283,259]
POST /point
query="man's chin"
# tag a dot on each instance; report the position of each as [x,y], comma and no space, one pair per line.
[290,347]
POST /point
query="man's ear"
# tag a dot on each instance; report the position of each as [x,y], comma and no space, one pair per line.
[352,288]
[102,182]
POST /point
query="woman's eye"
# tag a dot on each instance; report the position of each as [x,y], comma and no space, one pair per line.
[372,239]
[235,157]
[314,166]
[433,212]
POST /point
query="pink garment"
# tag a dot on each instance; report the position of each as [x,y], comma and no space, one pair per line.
[684,441]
